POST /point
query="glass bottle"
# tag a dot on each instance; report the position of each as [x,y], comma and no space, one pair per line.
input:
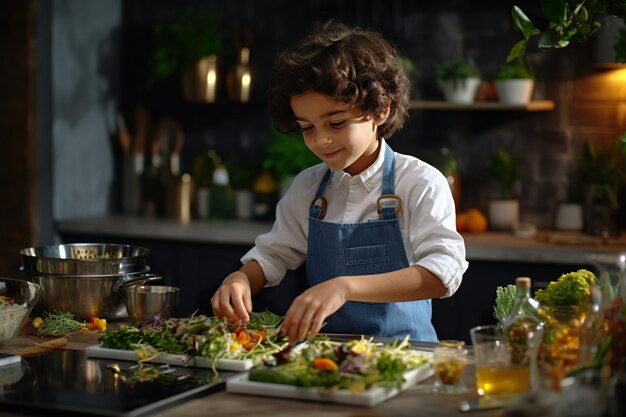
[265,189]
[221,201]
[523,330]
[203,166]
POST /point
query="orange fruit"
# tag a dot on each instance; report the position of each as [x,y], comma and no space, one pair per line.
[476,221]
[461,221]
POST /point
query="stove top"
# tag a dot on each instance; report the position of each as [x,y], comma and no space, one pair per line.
[65,381]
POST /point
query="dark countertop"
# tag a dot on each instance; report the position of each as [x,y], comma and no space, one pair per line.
[419,398]
[546,247]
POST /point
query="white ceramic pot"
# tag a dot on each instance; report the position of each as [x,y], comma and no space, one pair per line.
[569,217]
[463,91]
[503,214]
[514,91]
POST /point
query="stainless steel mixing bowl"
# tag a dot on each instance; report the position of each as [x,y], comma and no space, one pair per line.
[88,296]
[143,302]
[84,259]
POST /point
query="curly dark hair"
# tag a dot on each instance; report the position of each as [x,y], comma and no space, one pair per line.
[355,66]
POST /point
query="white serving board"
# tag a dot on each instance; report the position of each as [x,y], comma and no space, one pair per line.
[369,398]
[97,351]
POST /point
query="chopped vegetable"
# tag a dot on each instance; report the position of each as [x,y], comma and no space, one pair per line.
[96,323]
[356,365]
[61,324]
[12,316]
[570,289]
[325,364]
[37,322]
[209,337]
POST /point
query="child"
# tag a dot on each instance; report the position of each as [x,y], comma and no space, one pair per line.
[377,229]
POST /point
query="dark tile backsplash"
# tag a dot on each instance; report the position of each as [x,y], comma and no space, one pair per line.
[589,104]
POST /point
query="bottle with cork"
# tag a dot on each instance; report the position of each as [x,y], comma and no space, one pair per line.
[523,329]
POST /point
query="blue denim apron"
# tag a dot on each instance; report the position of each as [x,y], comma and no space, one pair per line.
[372,247]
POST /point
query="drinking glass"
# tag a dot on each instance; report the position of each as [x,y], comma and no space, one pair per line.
[498,376]
[449,359]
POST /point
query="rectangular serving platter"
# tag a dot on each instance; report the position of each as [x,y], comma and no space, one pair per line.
[97,351]
[242,385]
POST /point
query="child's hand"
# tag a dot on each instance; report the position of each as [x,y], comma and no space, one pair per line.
[233,299]
[309,310]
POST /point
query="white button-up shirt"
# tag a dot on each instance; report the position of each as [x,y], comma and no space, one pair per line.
[427,219]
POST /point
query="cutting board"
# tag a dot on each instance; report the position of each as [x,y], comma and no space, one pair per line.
[97,351]
[242,385]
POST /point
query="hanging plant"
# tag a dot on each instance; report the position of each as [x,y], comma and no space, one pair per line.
[567,20]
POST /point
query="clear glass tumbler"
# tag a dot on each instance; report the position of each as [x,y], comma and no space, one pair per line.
[449,360]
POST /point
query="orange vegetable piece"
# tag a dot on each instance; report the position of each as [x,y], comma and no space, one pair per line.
[242,337]
[102,324]
[249,345]
[96,323]
[325,364]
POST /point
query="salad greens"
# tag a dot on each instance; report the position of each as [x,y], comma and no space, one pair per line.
[203,336]
[355,365]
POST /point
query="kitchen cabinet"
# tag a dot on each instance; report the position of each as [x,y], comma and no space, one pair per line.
[197,256]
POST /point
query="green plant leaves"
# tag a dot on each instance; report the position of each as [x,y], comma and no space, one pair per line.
[567,20]
[506,168]
[523,22]
[555,10]
[183,39]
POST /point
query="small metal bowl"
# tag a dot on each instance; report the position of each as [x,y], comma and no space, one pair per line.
[144,301]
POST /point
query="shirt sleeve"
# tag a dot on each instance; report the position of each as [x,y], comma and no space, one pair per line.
[285,245]
[435,243]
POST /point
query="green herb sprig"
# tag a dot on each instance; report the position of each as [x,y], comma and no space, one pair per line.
[504,302]
[60,324]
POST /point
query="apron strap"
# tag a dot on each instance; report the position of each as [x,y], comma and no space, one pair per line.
[388,191]
[317,209]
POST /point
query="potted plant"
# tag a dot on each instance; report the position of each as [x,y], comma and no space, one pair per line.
[458,78]
[505,168]
[603,174]
[514,83]
[243,172]
[287,155]
[190,44]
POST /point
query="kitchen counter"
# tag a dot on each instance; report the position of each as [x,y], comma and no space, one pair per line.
[546,247]
[418,399]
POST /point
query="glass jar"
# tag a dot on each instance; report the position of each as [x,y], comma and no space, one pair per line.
[449,360]
[560,349]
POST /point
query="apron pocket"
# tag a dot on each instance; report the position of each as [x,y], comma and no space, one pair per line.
[365,260]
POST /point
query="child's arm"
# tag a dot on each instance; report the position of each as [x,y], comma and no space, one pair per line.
[233,298]
[309,310]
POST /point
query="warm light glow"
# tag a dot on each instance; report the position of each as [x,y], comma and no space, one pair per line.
[617,76]
[246,79]
[211,79]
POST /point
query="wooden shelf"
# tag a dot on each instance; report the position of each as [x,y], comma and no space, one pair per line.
[533,106]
